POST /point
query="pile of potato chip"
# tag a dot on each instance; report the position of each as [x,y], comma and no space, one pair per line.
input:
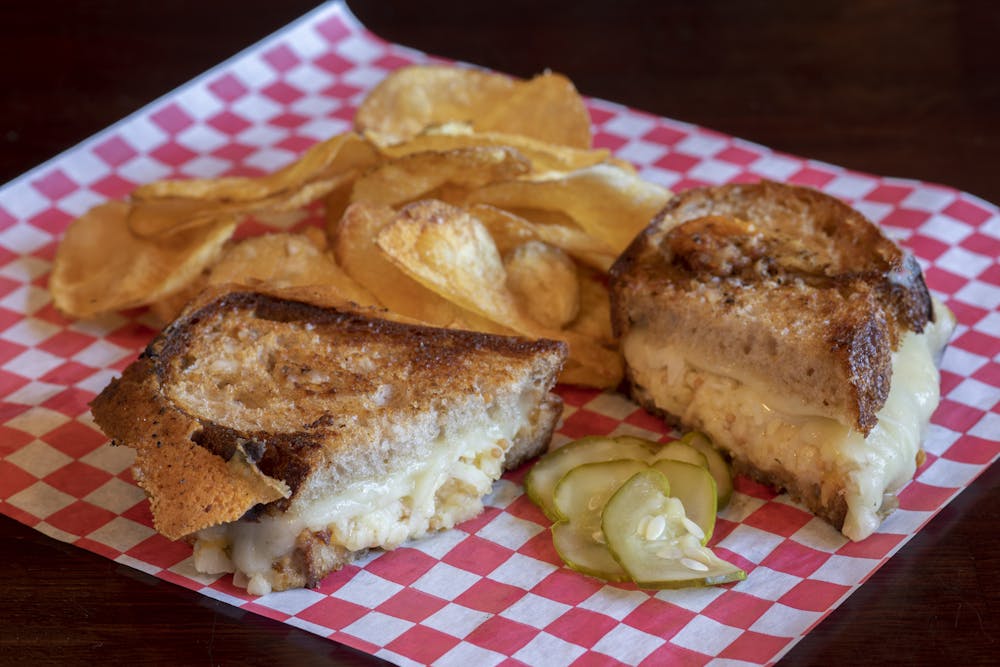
[462,199]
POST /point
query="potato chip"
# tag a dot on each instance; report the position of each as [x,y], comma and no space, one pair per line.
[509,230]
[543,156]
[319,239]
[412,98]
[451,253]
[334,156]
[576,243]
[286,260]
[608,203]
[160,217]
[166,309]
[166,207]
[353,238]
[593,318]
[547,107]
[336,202]
[544,281]
[101,266]
[156,217]
[420,175]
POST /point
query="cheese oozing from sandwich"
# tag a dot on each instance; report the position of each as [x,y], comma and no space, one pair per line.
[780,437]
[441,491]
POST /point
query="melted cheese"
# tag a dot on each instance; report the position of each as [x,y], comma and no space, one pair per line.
[774,436]
[444,489]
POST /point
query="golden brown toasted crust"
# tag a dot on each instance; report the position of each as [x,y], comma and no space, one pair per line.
[251,399]
[777,282]
[166,442]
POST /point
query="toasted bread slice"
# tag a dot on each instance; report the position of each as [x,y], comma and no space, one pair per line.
[286,437]
[775,318]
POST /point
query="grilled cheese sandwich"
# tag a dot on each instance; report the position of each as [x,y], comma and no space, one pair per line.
[791,331]
[285,438]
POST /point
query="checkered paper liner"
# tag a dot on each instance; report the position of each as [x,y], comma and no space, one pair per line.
[493,588]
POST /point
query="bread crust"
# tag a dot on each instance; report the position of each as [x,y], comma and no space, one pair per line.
[204,461]
[785,284]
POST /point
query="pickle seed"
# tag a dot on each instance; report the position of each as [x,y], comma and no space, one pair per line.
[693,564]
[670,552]
[655,528]
[693,528]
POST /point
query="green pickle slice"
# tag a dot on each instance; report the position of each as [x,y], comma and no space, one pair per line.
[716,465]
[582,553]
[695,488]
[680,451]
[628,509]
[541,481]
[580,497]
[647,532]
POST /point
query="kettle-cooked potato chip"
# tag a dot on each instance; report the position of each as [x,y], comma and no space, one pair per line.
[508,230]
[285,260]
[101,266]
[512,228]
[609,203]
[427,173]
[412,98]
[166,207]
[328,158]
[451,253]
[542,155]
[593,318]
[543,279]
[592,366]
[353,237]
[546,107]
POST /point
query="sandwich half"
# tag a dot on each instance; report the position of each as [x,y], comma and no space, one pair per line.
[791,330]
[284,438]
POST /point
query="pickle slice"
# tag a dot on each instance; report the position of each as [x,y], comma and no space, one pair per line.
[680,451]
[649,445]
[580,497]
[646,533]
[716,465]
[695,488]
[541,480]
[582,553]
[582,493]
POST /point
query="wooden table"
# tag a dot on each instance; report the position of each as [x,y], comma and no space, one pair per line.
[895,88]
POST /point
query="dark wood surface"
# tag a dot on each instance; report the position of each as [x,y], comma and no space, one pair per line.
[905,89]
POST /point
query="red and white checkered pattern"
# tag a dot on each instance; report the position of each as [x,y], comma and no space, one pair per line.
[492,588]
